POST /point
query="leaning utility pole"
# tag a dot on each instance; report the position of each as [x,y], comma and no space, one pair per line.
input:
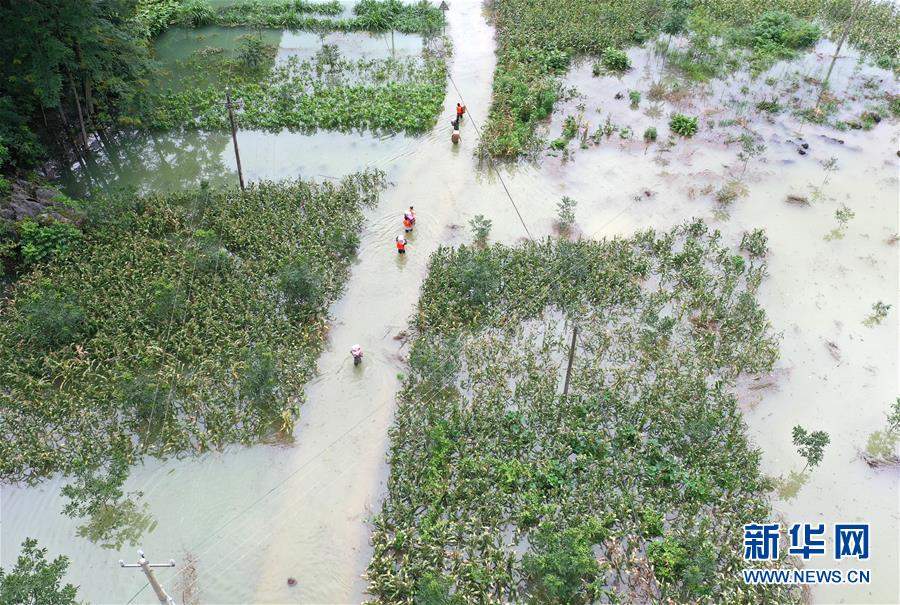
[854,9]
[147,566]
[571,359]
[237,154]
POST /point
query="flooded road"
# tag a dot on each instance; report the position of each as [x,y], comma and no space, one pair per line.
[253,517]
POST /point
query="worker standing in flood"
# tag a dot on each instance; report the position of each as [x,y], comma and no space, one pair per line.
[357,353]
[401,244]
[409,220]
[460,110]
[455,136]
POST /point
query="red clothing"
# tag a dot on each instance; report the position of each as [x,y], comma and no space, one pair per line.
[460,109]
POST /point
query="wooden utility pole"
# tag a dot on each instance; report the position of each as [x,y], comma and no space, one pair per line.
[571,359]
[853,11]
[237,153]
[146,566]
[444,8]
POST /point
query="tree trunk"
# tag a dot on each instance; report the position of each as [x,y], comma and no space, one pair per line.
[80,115]
[85,83]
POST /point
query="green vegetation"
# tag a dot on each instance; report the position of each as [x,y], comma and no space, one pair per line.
[113,517]
[635,97]
[35,581]
[879,312]
[93,76]
[843,215]
[538,39]
[68,68]
[370,15]
[327,91]
[810,445]
[650,134]
[40,242]
[683,125]
[565,214]
[881,448]
[181,322]
[502,488]
[154,16]
[614,59]
[481,229]
[755,243]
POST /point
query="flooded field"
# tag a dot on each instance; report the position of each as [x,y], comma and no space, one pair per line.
[251,518]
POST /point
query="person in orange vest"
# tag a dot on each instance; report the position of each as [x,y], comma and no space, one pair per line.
[401,244]
[409,220]
[460,110]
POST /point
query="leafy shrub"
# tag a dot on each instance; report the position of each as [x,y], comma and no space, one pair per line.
[810,445]
[41,242]
[783,29]
[114,517]
[668,557]
[194,13]
[301,284]
[434,589]
[169,303]
[614,59]
[259,377]
[34,580]
[650,134]
[755,243]
[776,35]
[635,97]
[562,567]
[51,320]
[481,229]
[683,125]
[252,52]
[565,214]
[879,312]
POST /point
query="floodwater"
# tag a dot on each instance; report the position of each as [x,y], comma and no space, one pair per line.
[253,517]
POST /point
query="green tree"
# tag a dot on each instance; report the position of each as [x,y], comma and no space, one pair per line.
[69,66]
[34,581]
[811,445]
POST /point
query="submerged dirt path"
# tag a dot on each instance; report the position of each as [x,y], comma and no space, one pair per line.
[319,533]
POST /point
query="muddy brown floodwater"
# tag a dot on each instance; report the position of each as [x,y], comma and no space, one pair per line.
[252,517]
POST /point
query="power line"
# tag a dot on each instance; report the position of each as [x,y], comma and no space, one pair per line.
[434,391]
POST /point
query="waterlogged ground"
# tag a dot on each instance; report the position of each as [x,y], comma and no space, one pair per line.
[252,517]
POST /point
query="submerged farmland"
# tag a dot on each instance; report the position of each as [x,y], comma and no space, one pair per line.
[631,487]
[174,323]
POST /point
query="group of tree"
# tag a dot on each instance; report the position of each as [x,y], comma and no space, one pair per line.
[71,69]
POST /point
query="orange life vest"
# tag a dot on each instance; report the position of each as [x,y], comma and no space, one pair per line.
[401,245]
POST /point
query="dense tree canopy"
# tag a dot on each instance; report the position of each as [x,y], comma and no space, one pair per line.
[67,65]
